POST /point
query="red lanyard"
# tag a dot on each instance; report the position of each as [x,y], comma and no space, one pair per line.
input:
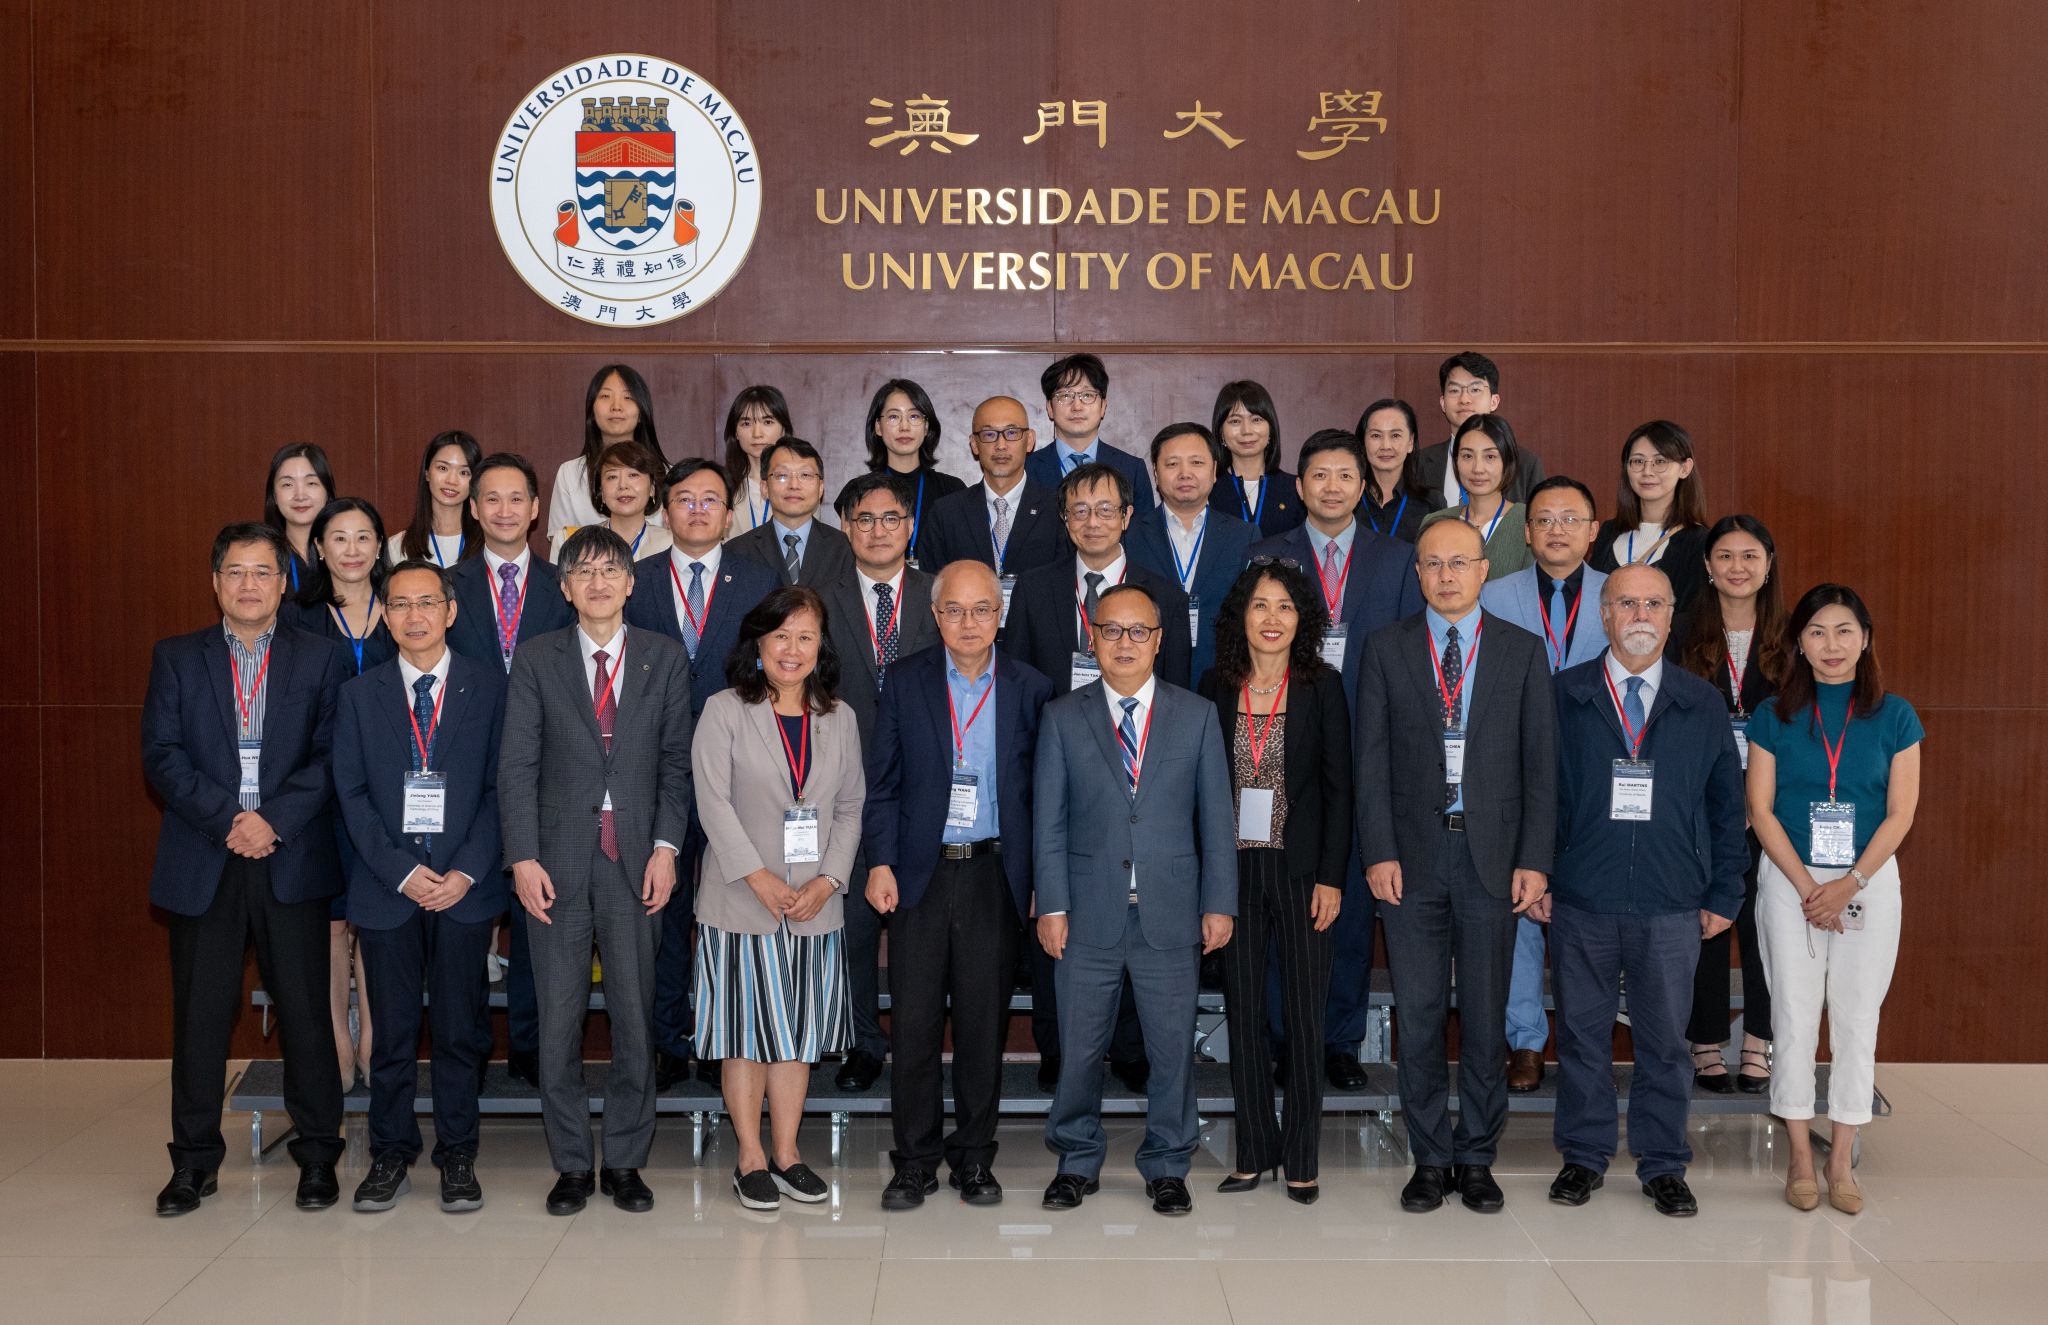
[959,732]
[895,614]
[1635,738]
[1735,682]
[1335,602]
[1137,755]
[800,757]
[508,636]
[1835,750]
[684,598]
[1450,693]
[1558,646]
[1081,604]
[235,674]
[425,741]
[609,678]
[1254,735]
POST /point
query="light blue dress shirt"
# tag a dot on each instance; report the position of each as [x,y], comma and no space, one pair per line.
[979,751]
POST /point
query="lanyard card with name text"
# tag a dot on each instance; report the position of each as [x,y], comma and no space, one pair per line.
[425,802]
[800,835]
[963,802]
[1832,826]
[251,753]
[1632,791]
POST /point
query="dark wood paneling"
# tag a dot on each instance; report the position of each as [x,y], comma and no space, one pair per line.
[199,431]
[17,174]
[1889,189]
[20,666]
[21,846]
[204,170]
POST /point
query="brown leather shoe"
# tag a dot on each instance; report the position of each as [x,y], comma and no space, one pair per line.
[1525,1070]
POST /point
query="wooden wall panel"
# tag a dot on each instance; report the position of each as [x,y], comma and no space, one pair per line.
[21,666]
[205,170]
[21,846]
[17,176]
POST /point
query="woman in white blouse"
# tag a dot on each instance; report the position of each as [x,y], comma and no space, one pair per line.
[443,530]
[618,407]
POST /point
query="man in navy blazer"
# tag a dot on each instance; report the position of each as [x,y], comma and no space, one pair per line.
[1134,860]
[236,730]
[1368,582]
[949,857]
[1006,521]
[1203,550]
[696,595]
[416,772]
[1076,399]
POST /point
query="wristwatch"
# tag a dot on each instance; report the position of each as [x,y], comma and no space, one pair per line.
[1861,881]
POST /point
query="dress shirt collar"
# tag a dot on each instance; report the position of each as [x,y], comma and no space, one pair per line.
[1144,698]
[682,561]
[411,674]
[965,682]
[1180,529]
[235,641]
[1111,574]
[1653,676]
[1440,626]
[589,647]
[1073,458]
[1319,542]
[492,560]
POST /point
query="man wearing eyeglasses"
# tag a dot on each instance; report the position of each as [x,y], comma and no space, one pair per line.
[1076,400]
[1202,548]
[1544,599]
[1648,775]
[796,543]
[697,598]
[1455,734]
[1008,520]
[879,615]
[948,842]
[1135,868]
[1468,383]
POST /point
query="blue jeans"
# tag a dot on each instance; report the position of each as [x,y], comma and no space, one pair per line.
[1528,1028]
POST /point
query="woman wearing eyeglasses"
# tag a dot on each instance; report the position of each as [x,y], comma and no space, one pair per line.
[1661,515]
[1288,731]
[757,419]
[1486,461]
[902,432]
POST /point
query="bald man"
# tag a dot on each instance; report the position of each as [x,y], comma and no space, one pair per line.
[1007,521]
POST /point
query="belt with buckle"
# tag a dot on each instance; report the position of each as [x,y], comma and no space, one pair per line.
[1454,821]
[987,846]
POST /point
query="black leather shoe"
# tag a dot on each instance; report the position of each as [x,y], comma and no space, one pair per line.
[1233,1184]
[318,1187]
[1134,1073]
[977,1186]
[1066,1190]
[1210,976]
[1672,1196]
[669,1069]
[860,1071]
[1344,1072]
[181,1195]
[460,1191]
[523,1065]
[1575,1185]
[710,1072]
[384,1184]
[571,1192]
[1169,1196]
[1425,1191]
[907,1190]
[1049,1073]
[1477,1188]
[1304,1195]
[626,1189]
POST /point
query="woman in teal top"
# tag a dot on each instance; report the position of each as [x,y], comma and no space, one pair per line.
[1834,778]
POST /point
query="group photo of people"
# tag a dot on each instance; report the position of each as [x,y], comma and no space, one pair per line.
[813,789]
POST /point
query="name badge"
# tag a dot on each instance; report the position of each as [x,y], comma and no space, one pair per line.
[1194,619]
[1333,649]
[1086,671]
[1740,726]
[425,803]
[1631,791]
[800,835]
[1454,754]
[963,804]
[1255,815]
[252,773]
[1832,826]
[1009,583]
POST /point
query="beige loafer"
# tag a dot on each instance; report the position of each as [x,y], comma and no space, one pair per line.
[1802,1193]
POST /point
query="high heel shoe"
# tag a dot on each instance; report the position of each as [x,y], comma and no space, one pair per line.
[1845,1196]
[1250,1182]
[1802,1193]
[1304,1195]
[1748,1084]
[1717,1080]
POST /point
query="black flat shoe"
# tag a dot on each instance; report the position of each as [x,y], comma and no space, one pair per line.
[1672,1196]
[1169,1196]
[670,1069]
[1248,1183]
[182,1194]
[1748,1084]
[1426,1190]
[1304,1195]
[1575,1185]
[1343,1072]
[977,1185]
[859,1072]
[1477,1189]
[1717,1081]
[756,1190]
[1066,1190]
[798,1183]
[626,1189]
[571,1192]
[318,1187]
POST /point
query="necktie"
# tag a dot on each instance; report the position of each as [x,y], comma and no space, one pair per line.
[607,711]
[1094,579]
[1127,738]
[1332,568]
[1453,665]
[885,627]
[1559,622]
[791,562]
[1632,708]
[694,597]
[423,714]
[1000,531]
[508,611]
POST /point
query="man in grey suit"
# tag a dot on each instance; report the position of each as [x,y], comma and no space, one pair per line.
[594,791]
[1127,885]
[1456,742]
[796,544]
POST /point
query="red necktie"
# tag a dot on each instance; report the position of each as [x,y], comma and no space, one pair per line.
[607,711]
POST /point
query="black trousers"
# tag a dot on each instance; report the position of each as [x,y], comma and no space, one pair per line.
[675,1016]
[206,1000]
[444,959]
[1709,1021]
[1126,1043]
[1272,908]
[864,965]
[958,942]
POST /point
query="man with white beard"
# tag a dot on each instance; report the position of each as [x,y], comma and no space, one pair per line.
[1647,773]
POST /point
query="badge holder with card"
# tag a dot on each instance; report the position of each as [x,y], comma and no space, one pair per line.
[1086,670]
[963,799]
[1632,791]
[1333,647]
[1454,754]
[251,753]
[1831,825]
[800,835]
[425,802]
[1009,583]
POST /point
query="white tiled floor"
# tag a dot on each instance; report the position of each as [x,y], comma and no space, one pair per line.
[1956,1183]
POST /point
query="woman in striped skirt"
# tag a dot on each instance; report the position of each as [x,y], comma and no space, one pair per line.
[780,790]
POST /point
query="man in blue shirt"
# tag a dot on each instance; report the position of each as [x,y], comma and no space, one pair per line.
[1076,399]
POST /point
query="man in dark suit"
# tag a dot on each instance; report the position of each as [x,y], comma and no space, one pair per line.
[1134,858]
[1367,581]
[594,792]
[1468,383]
[881,613]
[504,598]
[696,596]
[236,729]
[1455,735]
[416,772]
[1076,399]
[1648,773]
[950,859]
[795,544]
[1203,551]
[1006,521]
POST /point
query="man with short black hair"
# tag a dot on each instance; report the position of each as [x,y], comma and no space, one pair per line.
[795,543]
[1468,383]
[1076,399]
[1203,550]
[1007,521]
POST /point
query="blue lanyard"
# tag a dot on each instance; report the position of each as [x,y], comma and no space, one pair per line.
[1194,553]
[1630,560]
[1391,530]
[1488,535]
[292,565]
[461,546]
[353,641]
[917,516]
[762,518]
[642,534]
[1265,486]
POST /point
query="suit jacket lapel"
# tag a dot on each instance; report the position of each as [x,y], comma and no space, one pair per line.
[1422,667]
[220,679]
[569,660]
[1105,734]
[396,700]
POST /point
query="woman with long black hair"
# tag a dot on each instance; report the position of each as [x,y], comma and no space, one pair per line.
[902,433]
[443,530]
[299,485]
[617,407]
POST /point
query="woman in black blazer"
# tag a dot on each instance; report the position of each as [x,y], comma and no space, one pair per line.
[1660,513]
[1288,729]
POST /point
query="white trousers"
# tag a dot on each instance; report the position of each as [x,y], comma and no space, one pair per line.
[1809,968]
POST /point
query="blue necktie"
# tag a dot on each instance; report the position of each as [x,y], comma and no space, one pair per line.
[1559,621]
[1127,738]
[694,598]
[423,714]
[1632,709]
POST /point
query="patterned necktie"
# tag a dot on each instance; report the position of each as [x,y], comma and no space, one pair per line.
[1632,709]
[694,598]
[508,611]
[1088,600]
[1127,738]
[607,712]
[1000,531]
[423,714]
[885,627]
[1332,568]
[1453,665]
[791,562]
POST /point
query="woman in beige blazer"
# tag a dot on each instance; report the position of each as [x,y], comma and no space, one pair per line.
[780,789]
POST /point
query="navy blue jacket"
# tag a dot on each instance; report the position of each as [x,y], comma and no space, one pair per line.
[373,748]
[475,632]
[1691,854]
[1278,508]
[192,756]
[905,818]
[1226,543]
[1380,590]
[1042,467]
[741,582]
[1045,628]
